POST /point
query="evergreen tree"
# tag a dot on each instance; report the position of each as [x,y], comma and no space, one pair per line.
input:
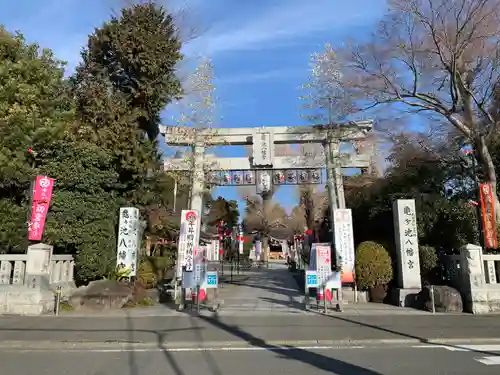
[125,80]
[34,109]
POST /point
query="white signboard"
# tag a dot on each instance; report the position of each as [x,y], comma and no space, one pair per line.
[406,235]
[321,261]
[128,240]
[344,243]
[263,149]
[215,250]
[320,264]
[188,240]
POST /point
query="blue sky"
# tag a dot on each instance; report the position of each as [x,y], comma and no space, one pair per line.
[260,49]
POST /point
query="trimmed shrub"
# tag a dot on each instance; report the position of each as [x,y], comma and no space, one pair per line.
[153,269]
[428,259]
[428,262]
[373,266]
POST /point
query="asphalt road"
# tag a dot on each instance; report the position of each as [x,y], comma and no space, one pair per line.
[248,329]
[386,360]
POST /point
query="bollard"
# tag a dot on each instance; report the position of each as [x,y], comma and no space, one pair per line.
[198,298]
[58,299]
[432,300]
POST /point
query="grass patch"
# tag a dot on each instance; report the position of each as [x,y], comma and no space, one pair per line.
[65,306]
[146,302]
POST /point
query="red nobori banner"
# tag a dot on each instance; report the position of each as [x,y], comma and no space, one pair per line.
[42,194]
[488,216]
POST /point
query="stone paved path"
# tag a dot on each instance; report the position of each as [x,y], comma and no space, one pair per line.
[270,289]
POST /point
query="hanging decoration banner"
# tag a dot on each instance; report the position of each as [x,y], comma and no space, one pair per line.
[42,194]
[488,216]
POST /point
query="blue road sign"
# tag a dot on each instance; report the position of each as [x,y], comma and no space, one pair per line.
[212,279]
[311,279]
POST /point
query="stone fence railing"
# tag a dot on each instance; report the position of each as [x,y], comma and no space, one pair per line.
[477,277]
[13,268]
[491,267]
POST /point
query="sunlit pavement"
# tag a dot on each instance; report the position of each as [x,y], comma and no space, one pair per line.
[354,360]
[249,340]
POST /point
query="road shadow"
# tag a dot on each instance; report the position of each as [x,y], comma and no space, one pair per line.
[315,360]
[273,289]
[300,281]
[338,316]
[160,336]
[289,304]
[402,334]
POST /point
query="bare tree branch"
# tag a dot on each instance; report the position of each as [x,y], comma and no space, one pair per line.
[435,57]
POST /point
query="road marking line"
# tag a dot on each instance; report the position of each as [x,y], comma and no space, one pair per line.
[194,350]
[473,348]
[489,361]
[461,348]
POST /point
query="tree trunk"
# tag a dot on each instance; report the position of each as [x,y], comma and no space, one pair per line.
[265,248]
[309,209]
[488,168]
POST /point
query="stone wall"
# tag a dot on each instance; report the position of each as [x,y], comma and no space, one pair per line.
[477,277]
[28,282]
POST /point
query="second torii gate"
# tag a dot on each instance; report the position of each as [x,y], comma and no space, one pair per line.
[263,159]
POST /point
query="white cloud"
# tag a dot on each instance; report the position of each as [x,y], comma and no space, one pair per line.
[284,24]
[249,77]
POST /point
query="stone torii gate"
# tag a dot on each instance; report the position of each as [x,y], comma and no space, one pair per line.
[263,159]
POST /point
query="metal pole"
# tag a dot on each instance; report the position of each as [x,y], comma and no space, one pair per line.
[325,306]
[58,300]
[216,295]
[340,294]
[175,194]
[197,298]
[238,263]
[355,291]
[216,291]
[182,292]
[433,300]
[306,295]
[231,268]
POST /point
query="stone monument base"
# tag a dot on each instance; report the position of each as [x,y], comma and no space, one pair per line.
[404,297]
[36,297]
[483,301]
[20,300]
[348,296]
